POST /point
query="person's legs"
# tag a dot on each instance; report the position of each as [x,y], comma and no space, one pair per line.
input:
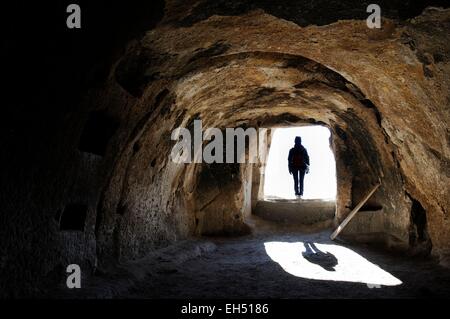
[302,177]
[295,175]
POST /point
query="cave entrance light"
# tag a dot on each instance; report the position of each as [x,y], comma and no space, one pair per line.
[320,183]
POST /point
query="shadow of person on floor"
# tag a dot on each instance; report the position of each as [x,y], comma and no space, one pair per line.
[325,260]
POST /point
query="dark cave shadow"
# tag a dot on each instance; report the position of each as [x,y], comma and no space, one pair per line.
[325,260]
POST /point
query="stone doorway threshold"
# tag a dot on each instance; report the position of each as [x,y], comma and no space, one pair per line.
[296,211]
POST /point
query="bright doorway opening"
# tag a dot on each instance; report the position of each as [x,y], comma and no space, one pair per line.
[320,182]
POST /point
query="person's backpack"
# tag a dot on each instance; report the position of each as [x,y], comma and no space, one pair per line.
[297,159]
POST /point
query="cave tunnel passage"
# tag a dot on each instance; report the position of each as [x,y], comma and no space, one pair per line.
[320,182]
[103,193]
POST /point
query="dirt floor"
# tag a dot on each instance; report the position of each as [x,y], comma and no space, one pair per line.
[277,261]
[242,268]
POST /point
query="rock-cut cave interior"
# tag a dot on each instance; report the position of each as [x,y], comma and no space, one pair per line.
[88,178]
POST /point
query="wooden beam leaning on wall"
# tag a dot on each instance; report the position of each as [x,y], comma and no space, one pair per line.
[353,212]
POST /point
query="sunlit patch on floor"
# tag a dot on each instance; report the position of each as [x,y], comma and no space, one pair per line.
[327,262]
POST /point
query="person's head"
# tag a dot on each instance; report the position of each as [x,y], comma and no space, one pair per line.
[298,140]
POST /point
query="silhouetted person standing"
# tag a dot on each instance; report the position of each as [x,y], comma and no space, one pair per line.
[298,163]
